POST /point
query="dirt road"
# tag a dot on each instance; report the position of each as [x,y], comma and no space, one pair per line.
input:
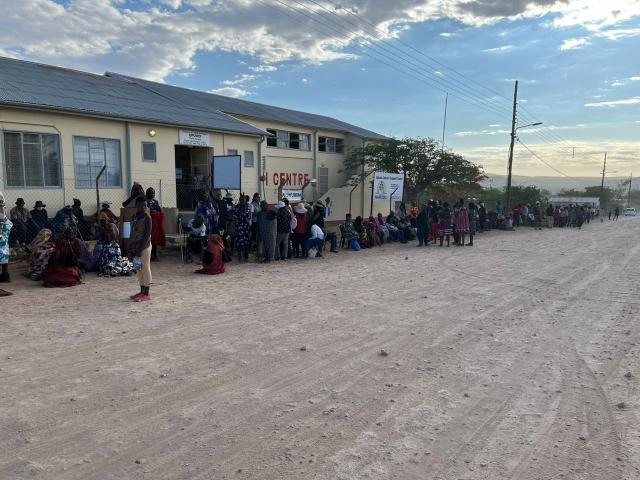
[505,361]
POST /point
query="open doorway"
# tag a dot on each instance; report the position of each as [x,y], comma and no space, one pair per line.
[193,171]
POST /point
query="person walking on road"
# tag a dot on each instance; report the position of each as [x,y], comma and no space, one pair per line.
[616,213]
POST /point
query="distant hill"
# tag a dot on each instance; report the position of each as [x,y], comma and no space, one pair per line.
[553,184]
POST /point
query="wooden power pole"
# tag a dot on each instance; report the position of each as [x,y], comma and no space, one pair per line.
[513,140]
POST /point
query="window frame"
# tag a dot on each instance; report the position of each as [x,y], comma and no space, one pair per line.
[24,176]
[146,160]
[337,147]
[283,140]
[75,166]
[253,159]
[230,150]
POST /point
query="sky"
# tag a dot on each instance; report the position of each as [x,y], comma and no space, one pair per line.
[383,65]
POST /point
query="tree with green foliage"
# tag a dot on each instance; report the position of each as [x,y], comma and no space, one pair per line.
[424,165]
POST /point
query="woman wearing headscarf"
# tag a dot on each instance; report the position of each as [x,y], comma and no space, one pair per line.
[5,231]
[108,259]
[213,259]
[62,269]
[136,191]
[41,249]
[157,223]
[267,231]
[106,215]
[85,260]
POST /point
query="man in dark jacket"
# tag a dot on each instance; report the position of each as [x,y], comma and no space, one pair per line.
[283,219]
[422,223]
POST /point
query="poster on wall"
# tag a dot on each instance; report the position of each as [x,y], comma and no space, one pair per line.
[292,195]
[226,172]
[194,137]
[384,185]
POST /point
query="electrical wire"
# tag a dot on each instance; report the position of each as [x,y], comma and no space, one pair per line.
[544,161]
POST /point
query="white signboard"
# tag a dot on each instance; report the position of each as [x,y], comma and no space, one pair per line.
[385,183]
[292,195]
[194,137]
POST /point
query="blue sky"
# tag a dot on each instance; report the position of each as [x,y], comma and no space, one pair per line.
[577,63]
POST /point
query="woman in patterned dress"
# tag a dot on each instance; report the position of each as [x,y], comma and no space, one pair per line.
[41,249]
[242,215]
[109,261]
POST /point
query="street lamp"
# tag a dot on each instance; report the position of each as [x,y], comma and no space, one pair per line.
[514,130]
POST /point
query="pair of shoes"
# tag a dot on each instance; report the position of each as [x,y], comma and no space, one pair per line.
[319,255]
[334,250]
[134,297]
[143,298]
[5,278]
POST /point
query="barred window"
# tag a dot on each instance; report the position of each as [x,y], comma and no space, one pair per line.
[289,140]
[90,155]
[330,145]
[32,160]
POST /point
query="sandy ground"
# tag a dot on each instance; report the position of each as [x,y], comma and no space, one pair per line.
[505,361]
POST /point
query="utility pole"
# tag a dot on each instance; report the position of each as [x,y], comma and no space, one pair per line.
[604,169]
[444,123]
[513,140]
[629,194]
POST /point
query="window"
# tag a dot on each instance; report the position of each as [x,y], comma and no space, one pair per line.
[232,151]
[323,180]
[32,159]
[290,140]
[148,151]
[90,155]
[330,145]
[272,141]
[248,159]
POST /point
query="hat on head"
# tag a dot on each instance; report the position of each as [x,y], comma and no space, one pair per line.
[105,203]
[20,201]
[280,204]
[229,196]
[300,208]
[76,201]
[39,204]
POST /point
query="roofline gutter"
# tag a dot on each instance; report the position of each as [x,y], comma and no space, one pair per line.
[82,113]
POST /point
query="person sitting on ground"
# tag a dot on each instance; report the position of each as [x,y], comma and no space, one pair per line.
[80,249]
[63,221]
[395,229]
[213,258]
[267,231]
[84,227]
[41,249]
[40,216]
[378,237]
[350,234]
[62,269]
[5,232]
[315,240]
[106,214]
[358,226]
[109,261]
[20,217]
[383,230]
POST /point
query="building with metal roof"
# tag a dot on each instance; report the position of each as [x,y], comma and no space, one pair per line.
[68,134]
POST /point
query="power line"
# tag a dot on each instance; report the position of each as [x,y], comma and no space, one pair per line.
[544,161]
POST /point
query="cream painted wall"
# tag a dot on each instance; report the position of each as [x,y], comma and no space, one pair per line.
[161,174]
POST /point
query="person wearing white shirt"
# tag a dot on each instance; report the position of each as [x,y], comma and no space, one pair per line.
[316,240]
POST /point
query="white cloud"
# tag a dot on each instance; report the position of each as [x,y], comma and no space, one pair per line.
[305,80]
[617,83]
[495,125]
[239,79]
[574,43]
[615,103]
[263,69]
[233,92]
[503,48]
[635,79]
[158,41]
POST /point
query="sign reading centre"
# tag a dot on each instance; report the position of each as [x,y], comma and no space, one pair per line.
[384,185]
[194,137]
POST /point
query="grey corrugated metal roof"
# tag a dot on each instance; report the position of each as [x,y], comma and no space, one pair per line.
[43,86]
[235,106]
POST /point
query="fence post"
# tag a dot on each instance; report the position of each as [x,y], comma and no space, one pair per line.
[160,192]
[98,190]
